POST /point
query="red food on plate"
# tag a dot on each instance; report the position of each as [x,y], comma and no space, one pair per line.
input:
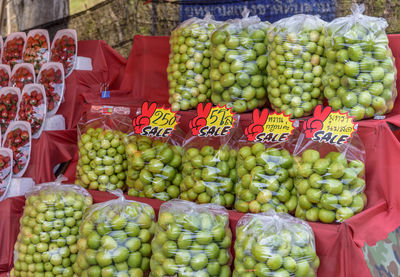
[51,79]
[8,109]
[21,77]
[29,109]
[12,52]
[64,51]
[4,78]
[35,51]
[16,140]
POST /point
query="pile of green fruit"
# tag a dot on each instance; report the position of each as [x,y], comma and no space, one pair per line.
[330,188]
[189,63]
[360,70]
[115,239]
[273,244]
[191,240]
[209,175]
[154,168]
[295,64]
[265,180]
[238,62]
[49,231]
[102,162]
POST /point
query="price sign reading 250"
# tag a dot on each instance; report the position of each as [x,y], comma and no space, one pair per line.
[155,122]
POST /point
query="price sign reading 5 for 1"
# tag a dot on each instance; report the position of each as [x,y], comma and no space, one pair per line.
[155,122]
[212,121]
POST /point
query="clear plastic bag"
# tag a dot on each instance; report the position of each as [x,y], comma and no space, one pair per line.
[6,167]
[360,74]
[102,162]
[5,74]
[265,177]
[22,74]
[191,240]
[13,49]
[37,48]
[51,76]
[9,104]
[238,62]
[189,63]
[274,244]
[209,170]
[330,179]
[154,166]
[47,242]
[117,234]
[64,49]
[295,64]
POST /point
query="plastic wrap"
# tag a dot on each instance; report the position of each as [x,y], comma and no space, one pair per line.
[360,74]
[274,244]
[6,166]
[18,138]
[295,64]
[21,75]
[64,49]
[9,104]
[117,234]
[265,178]
[5,74]
[32,108]
[13,49]
[209,170]
[154,166]
[189,63]
[191,240]
[238,62]
[47,242]
[330,179]
[51,76]
[37,48]
[102,162]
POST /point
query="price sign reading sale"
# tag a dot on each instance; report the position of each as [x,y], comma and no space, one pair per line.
[212,121]
[275,127]
[329,127]
[155,122]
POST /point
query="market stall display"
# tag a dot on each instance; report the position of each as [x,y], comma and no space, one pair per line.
[295,64]
[189,63]
[10,97]
[37,48]
[115,239]
[47,242]
[6,166]
[238,61]
[22,74]
[13,49]
[154,166]
[5,74]
[360,70]
[274,244]
[64,49]
[191,239]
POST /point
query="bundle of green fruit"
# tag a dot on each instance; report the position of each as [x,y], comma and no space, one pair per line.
[191,240]
[330,181]
[47,242]
[189,63]
[115,239]
[102,163]
[295,64]
[265,179]
[274,244]
[209,173]
[154,167]
[360,74]
[238,62]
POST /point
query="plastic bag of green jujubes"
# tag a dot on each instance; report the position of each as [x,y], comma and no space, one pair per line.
[154,166]
[274,244]
[238,62]
[189,63]
[360,74]
[49,231]
[209,170]
[330,179]
[102,162]
[265,177]
[191,240]
[295,64]
[115,239]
